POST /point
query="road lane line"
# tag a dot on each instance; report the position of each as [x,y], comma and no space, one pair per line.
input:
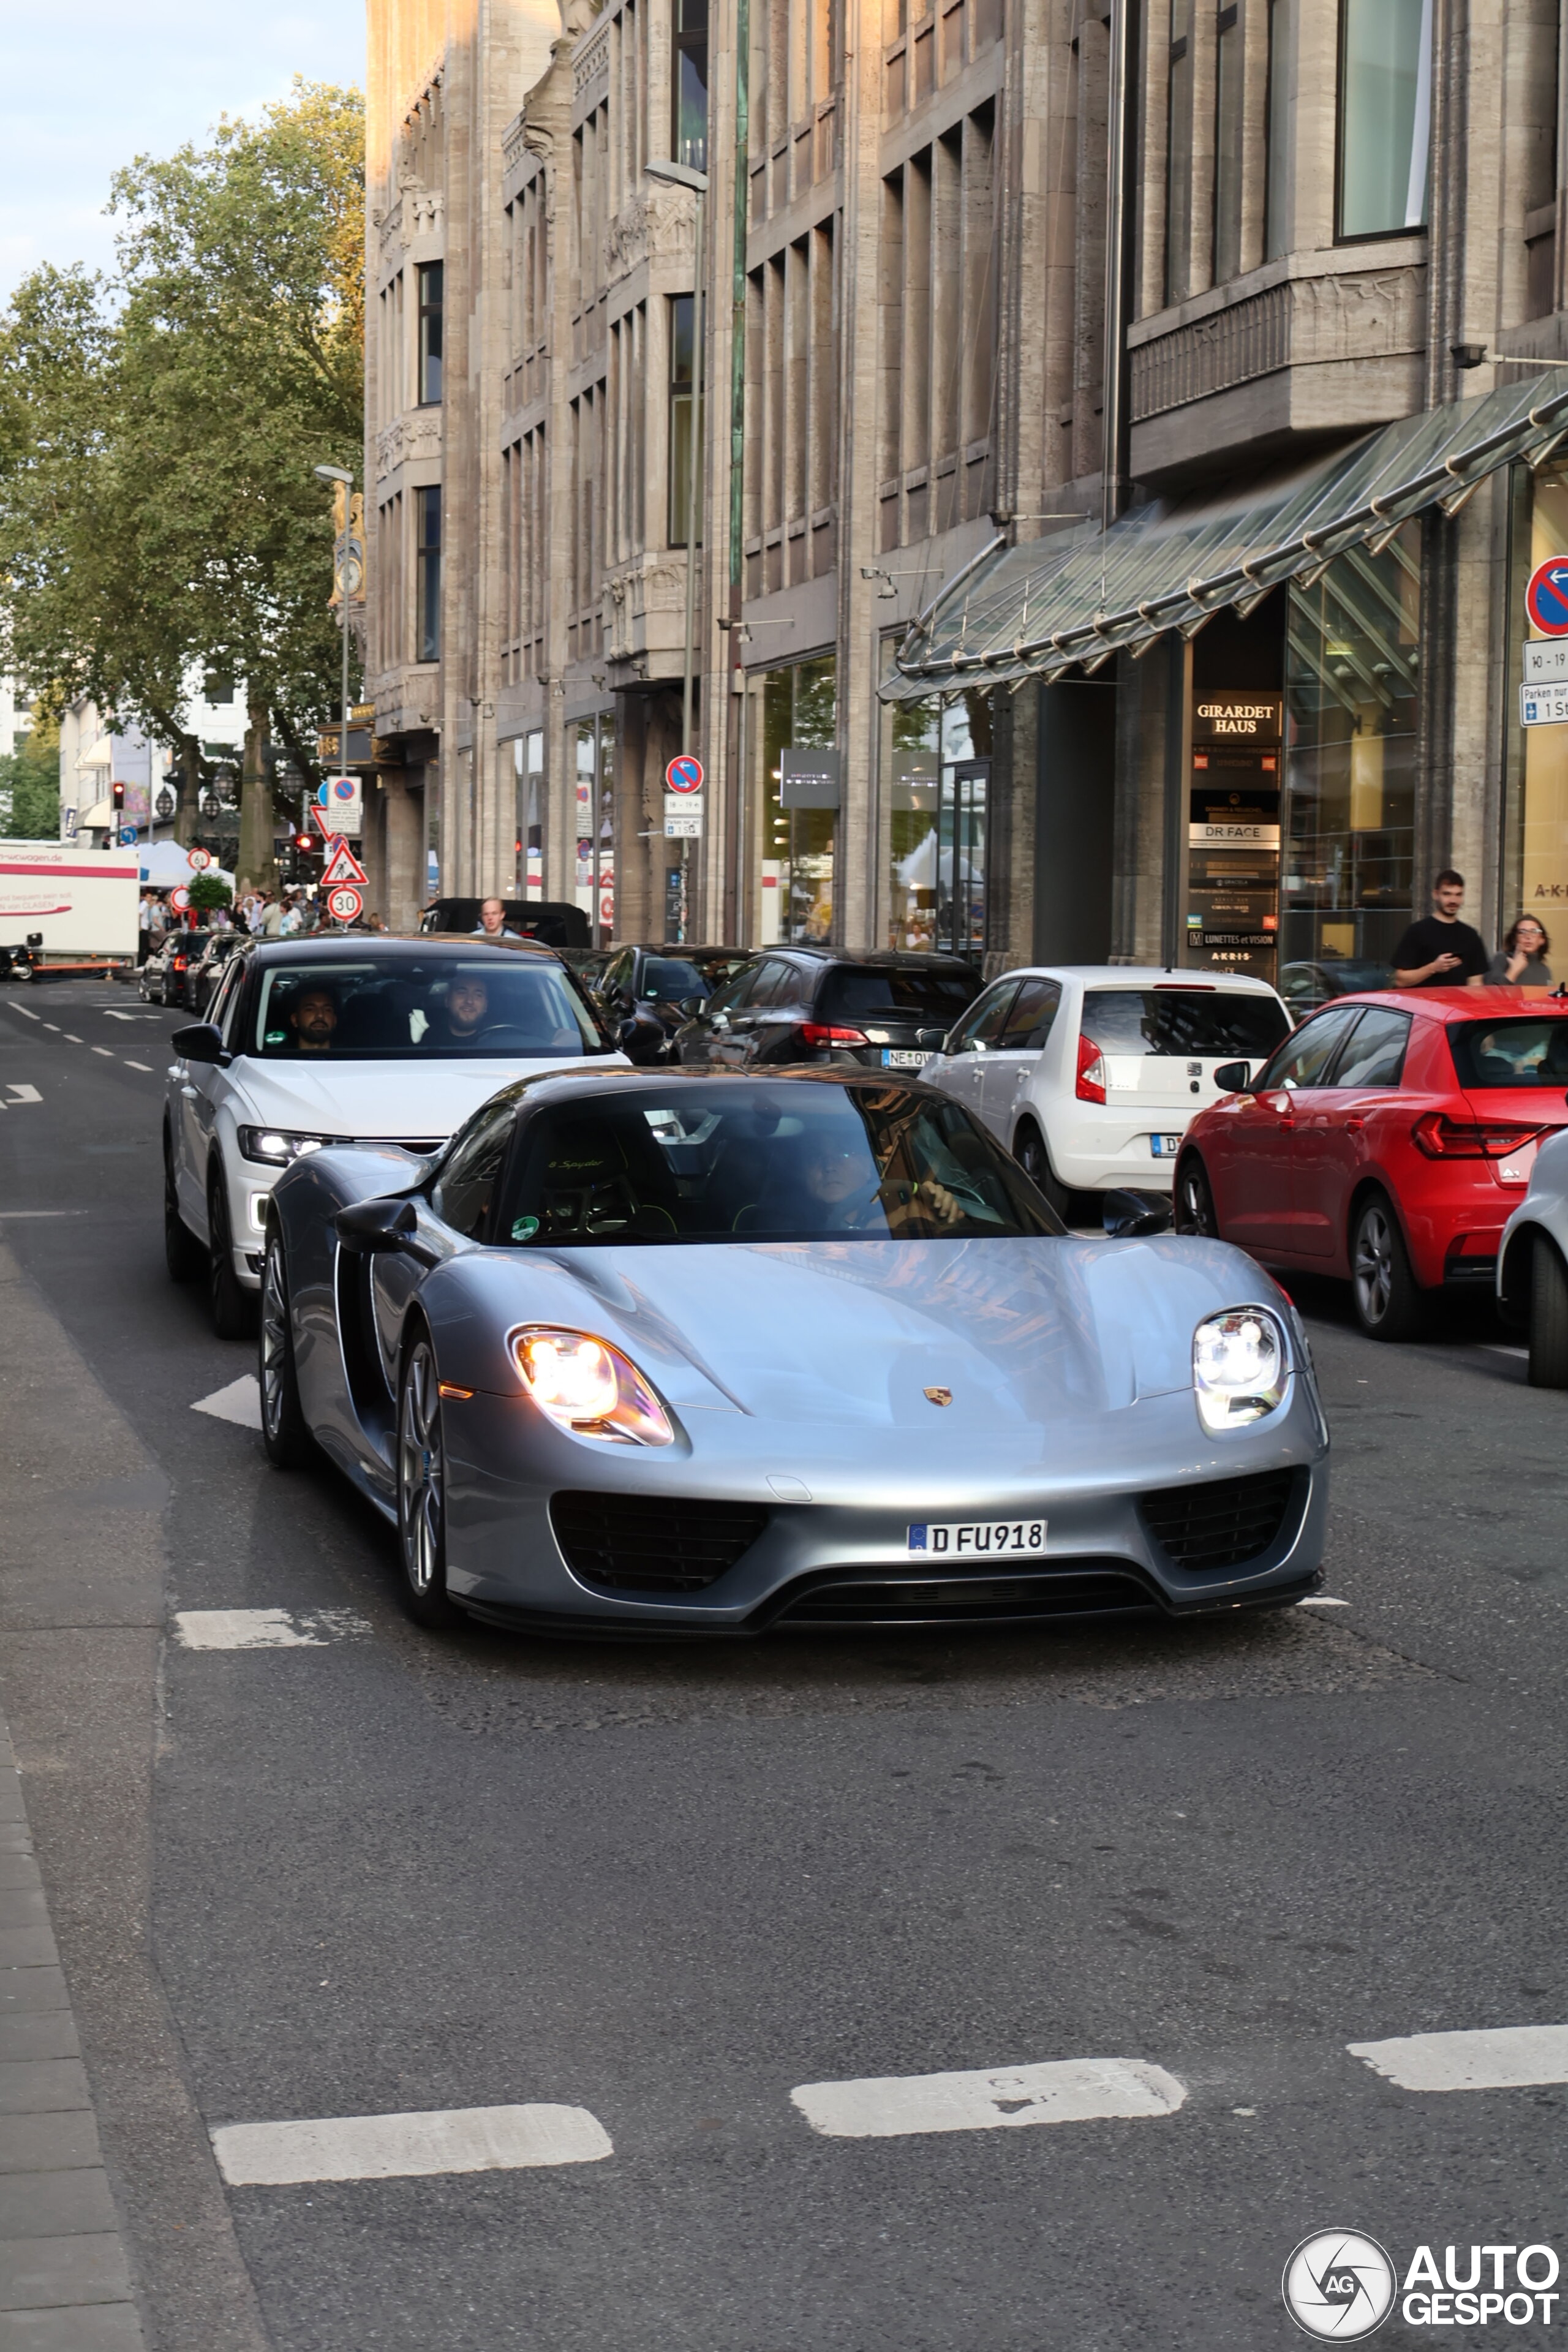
[54,1025]
[266,1629]
[1500,2058]
[407,2147]
[1321,1600]
[241,1402]
[24,1014]
[145,1067]
[1062,2091]
[104,1050]
[69,1039]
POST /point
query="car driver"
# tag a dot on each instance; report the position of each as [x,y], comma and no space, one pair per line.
[836,1179]
[313,1017]
[468,1010]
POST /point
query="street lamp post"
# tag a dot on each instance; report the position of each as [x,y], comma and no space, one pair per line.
[339,474]
[682,175]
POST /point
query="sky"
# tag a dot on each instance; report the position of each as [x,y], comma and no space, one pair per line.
[91,84]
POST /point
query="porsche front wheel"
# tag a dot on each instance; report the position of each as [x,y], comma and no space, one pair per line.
[422,1491]
[284,1431]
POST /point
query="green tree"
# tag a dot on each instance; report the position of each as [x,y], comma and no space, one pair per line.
[210,890]
[30,786]
[157,436]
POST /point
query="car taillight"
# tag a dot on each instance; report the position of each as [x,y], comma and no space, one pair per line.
[1090,1071]
[1442,1137]
[813,1033]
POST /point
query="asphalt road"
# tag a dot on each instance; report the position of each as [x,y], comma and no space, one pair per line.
[386,1873]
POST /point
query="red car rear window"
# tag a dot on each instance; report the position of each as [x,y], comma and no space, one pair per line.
[1529,1051]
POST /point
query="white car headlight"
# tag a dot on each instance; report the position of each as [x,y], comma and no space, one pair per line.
[1240,1365]
[278,1146]
[589,1387]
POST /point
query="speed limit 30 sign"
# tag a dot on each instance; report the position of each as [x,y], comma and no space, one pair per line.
[344,903]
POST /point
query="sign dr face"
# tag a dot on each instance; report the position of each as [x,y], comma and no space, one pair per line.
[684,773]
[1546,597]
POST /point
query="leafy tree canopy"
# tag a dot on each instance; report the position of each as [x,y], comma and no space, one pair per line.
[158,429]
[30,786]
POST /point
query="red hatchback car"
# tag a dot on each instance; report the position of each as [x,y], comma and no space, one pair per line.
[1387,1142]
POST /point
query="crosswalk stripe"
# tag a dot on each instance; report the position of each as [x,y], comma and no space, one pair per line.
[1497,2058]
[405,2147]
[264,1629]
[1059,2091]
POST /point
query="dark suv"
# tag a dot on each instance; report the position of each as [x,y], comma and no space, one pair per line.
[881,1009]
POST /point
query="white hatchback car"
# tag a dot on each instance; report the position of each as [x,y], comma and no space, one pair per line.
[353,1039]
[1089,1073]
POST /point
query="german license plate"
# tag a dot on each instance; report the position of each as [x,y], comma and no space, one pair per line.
[979,1538]
[1165,1147]
[1516,1168]
[903,1058]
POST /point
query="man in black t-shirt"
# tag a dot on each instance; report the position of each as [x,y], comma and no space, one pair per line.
[1440,951]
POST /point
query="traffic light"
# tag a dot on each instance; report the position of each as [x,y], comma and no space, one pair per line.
[304,842]
[117,795]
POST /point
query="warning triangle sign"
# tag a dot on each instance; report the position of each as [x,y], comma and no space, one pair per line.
[342,865]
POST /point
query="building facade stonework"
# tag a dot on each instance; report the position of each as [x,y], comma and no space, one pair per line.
[881,380]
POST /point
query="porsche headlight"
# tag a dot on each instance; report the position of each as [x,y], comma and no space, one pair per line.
[278,1146]
[1239,1367]
[589,1387]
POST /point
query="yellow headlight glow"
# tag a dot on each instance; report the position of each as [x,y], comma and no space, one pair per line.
[590,1388]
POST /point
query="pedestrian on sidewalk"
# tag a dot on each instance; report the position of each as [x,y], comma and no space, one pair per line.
[1439,952]
[1520,961]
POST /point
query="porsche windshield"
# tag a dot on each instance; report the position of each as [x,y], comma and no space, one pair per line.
[722,1160]
[419,1008]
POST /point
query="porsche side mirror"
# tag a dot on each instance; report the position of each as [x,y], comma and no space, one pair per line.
[1233,1078]
[934,1040]
[642,1043]
[1131,1215]
[199,1042]
[389,1224]
[690,1006]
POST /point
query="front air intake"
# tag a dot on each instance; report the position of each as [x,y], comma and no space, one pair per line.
[639,1543]
[1219,1522]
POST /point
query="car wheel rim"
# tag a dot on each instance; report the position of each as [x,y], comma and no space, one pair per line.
[274,1343]
[1195,1203]
[419,1471]
[1373,1265]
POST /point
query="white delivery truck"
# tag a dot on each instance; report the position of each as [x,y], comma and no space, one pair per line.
[64,906]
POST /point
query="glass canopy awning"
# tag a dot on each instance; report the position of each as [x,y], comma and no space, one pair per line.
[1077,597]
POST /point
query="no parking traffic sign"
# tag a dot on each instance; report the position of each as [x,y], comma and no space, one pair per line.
[1546,597]
[684,773]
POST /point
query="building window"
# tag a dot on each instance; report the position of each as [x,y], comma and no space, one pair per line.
[1178,151]
[690,83]
[432,274]
[792,860]
[1385,115]
[1227,146]
[685,443]
[1277,193]
[217,688]
[427,580]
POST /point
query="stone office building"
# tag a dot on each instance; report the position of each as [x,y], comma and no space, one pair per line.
[1243,724]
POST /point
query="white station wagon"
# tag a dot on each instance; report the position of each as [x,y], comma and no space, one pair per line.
[1089,1073]
[355,1039]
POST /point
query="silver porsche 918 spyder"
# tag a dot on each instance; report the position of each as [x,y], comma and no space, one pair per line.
[686,1352]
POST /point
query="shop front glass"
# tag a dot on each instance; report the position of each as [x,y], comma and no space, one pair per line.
[1352,663]
[797,709]
[1233,830]
[938,755]
[595,741]
[1535,834]
[528,755]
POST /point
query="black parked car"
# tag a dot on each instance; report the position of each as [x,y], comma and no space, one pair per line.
[204,975]
[650,985]
[164,973]
[550,921]
[882,1009]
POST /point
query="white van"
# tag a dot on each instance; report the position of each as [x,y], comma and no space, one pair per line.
[1089,1073]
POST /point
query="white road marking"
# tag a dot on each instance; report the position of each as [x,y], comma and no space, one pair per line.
[405,2147]
[105,1051]
[24,1014]
[264,1629]
[54,1025]
[241,1402]
[1491,1347]
[1321,1600]
[1062,2091]
[124,1016]
[44,1213]
[69,1039]
[1502,2058]
[145,1067]
[25,1093]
